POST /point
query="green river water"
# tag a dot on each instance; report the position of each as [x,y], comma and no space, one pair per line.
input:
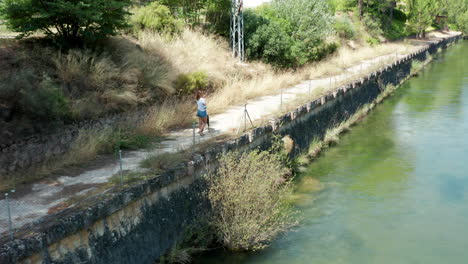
[395,187]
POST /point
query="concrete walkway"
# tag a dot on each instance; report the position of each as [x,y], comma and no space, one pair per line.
[36,201]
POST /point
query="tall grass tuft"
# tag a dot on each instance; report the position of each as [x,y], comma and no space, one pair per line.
[248,196]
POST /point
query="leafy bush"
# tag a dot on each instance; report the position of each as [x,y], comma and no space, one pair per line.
[218,16]
[344,28]
[342,5]
[157,18]
[192,82]
[399,15]
[43,101]
[272,45]
[372,25]
[68,21]
[115,140]
[288,33]
[309,22]
[397,30]
[372,41]
[321,51]
[248,196]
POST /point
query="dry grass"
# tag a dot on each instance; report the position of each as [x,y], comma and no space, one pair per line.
[86,147]
[236,82]
[165,161]
[248,196]
[172,113]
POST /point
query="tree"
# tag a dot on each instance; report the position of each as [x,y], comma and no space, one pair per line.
[218,16]
[156,17]
[457,13]
[189,10]
[422,14]
[70,22]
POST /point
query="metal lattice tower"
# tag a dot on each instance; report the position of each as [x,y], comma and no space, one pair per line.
[237,29]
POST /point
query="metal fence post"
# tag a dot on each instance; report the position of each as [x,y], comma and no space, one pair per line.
[281,99]
[245,117]
[121,170]
[10,224]
[194,125]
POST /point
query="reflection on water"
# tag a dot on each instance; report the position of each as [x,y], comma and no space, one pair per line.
[395,190]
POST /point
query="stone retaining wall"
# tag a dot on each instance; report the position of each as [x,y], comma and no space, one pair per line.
[140,223]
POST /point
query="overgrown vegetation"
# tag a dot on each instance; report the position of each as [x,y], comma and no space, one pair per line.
[247,195]
[156,17]
[289,33]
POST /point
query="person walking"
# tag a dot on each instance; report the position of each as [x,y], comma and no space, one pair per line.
[201,113]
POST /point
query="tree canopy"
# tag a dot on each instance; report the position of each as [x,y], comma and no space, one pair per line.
[67,21]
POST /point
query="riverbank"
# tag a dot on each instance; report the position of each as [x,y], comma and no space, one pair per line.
[128,211]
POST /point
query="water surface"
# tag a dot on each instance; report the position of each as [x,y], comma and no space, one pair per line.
[396,186]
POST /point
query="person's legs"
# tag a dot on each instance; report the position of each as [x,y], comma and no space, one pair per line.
[200,124]
[203,124]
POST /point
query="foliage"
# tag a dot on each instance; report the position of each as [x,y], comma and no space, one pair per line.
[422,14]
[288,33]
[372,41]
[67,21]
[344,28]
[128,178]
[308,22]
[123,139]
[372,25]
[189,10]
[397,30]
[157,18]
[165,161]
[282,148]
[247,195]
[44,101]
[218,16]
[342,5]
[272,45]
[399,15]
[457,12]
[192,82]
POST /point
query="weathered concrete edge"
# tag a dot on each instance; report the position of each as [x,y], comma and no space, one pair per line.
[37,239]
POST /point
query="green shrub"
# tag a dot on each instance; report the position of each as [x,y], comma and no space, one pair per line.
[157,18]
[218,16]
[68,21]
[288,33]
[344,28]
[271,44]
[399,15]
[372,25]
[342,5]
[372,41]
[396,30]
[189,83]
[124,139]
[248,195]
[165,161]
[43,100]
